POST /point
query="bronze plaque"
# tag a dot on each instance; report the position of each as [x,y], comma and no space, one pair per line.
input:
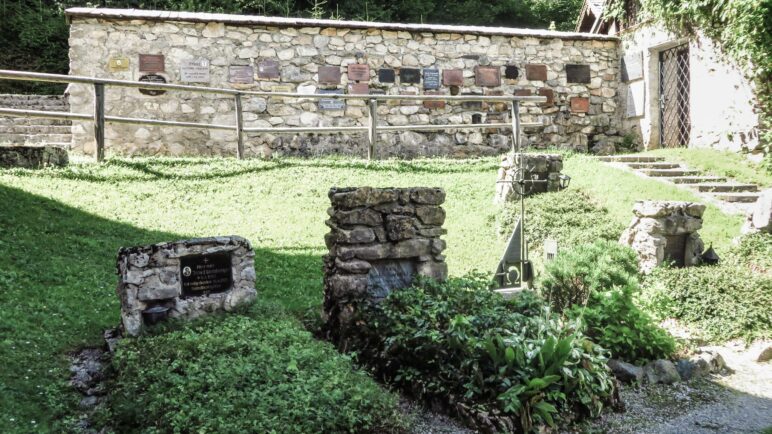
[489,76]
[329,75]
[268,69]
[409,75]
[152,78]
[204,274]
[386,75]
[359,89]
[578,73]
[243,74]
[434,104]
[452,77]
[536,72]
[151,63]
[511,72]
[358,72]
[549,93]
[580,104]
[118,63]
[523,92]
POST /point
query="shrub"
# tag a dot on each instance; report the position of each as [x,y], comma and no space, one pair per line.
[597,284]
[240,374]
[459,342]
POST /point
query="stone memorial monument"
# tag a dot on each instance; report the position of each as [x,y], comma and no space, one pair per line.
[380,239]
[542,174]
[183,279]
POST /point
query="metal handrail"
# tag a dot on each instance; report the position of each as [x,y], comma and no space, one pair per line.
[99,117]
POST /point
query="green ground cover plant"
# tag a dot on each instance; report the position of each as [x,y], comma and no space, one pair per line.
[458,342]
[255,372]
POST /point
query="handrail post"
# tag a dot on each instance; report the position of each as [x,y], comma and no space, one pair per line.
[373,127]
[99,120]
[239,127]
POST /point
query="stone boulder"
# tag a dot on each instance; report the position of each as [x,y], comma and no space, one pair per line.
[759,216]
[661,371]
[625,372]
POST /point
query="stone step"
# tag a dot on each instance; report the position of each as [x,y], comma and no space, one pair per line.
[720,187]
[39,107]
[740,197]
[699,179]
[631,159]
[8,121]
[669,172]
[36,129]
[34,138]
[653,165]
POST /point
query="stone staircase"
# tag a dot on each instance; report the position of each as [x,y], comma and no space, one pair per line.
[35,131]
[718,188]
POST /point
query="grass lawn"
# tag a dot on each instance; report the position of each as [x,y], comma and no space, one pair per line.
[60,230]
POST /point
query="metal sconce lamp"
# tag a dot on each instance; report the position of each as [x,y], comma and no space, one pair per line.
[564,181]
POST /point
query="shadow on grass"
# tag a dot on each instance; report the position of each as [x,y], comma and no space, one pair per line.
[57,293]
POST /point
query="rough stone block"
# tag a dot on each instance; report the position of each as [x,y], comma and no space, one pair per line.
[33,157]
[431,215]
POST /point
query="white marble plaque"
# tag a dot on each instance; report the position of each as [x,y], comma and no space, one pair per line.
[632,66]
[635,99]
[194,71]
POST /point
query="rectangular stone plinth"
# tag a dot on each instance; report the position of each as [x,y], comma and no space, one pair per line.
[380,239]
[184,279]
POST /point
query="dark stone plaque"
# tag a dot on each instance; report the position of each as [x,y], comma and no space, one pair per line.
[511,72]
[632,66]
[358,72]
[431,78]
[388,275]
[523,92]
[474,105]
[409,75]
[452,77]
[151,63]
[549,93]
[268,69]
[204,274]
[578,73]
[194,71]
[386,75]
[489,76]
[331,103]
[536,72]
[358,89]
[329,75]
[152,78]
[243,74]
[580,104]
[434,104]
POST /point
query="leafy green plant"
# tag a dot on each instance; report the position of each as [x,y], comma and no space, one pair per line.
[596,283]
[458,342]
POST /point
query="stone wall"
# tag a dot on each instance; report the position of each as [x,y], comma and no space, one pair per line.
[542,174]
[183,279]
[665,230]
[380,239]
[578,73]
[33,157]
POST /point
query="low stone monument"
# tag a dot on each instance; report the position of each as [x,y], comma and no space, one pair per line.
[183,279]
[665,230]
[379,240]
[32,157]
[758,218]
[542,174]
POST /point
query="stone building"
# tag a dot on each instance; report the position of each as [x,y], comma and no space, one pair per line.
[578,73]
[676,91]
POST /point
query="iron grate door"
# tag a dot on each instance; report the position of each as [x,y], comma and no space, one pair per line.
[675,124]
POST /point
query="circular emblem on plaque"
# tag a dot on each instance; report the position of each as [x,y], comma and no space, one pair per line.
[152,78]
[187,271]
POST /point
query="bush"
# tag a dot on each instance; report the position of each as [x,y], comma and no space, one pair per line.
[597,284]
[726,301]
[240,374]
[458,342]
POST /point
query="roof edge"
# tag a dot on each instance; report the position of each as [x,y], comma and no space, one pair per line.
[198,17]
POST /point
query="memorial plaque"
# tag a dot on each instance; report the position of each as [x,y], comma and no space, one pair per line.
[549,93]
[635,99]
[409,75]
[282,88]
[331,103]
[434,104]
[387,275]
[632,66]
[536,72]
[118,63]
[580,104]
[431,78]
[268,69]
[489,76]
[151,63]
[204,274]
[474,105]
[523,92]
[358,89]
[194,71]
[242,74]
[329,75]
[511,72]
[550,249]
[152,78]
[452,77]
[386,75]
[578,73]
[358,72]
